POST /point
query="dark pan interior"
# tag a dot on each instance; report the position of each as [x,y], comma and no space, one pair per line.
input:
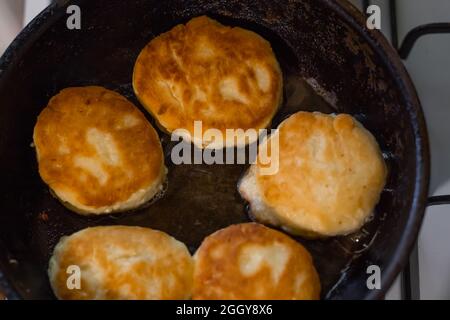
[313,40]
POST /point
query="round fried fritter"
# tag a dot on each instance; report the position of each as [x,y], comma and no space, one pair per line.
[120,262]
[252,262]
[227,78]
[97,151]
[330,176]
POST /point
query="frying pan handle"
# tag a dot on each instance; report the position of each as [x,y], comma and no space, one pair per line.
[404,51]
[438,200]
[417,32]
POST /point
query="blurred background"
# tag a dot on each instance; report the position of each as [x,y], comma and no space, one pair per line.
[14,15]
[429,66]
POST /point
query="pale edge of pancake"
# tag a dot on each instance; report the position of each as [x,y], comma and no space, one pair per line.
[137,199]
[53,264]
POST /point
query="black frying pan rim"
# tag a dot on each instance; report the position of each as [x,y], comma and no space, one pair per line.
[392,61]
[411,100]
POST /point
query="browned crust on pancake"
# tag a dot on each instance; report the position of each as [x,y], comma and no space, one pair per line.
[64,123]
[175,67]
[331,174]
[121,262]
[218,274]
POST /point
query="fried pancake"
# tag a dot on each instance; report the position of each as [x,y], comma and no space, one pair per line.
[120,262]
[331,173]
[226,77]
[251,261]
[97,151]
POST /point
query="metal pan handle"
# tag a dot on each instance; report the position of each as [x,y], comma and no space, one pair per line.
[422,30]
[438,200]
[404,51]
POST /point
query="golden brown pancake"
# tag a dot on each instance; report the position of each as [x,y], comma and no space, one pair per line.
[120,262]
[226,77]
[331,173]
[97,151]
[251,261]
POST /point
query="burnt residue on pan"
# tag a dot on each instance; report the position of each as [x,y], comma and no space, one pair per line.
[327,65]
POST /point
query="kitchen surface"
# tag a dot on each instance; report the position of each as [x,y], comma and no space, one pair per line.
[429,67]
